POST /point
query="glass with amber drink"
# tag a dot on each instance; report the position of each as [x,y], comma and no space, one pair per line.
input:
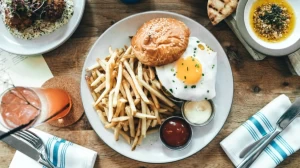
[32,106]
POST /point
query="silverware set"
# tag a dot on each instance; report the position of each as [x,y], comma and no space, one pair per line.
[250,153]
[29,144]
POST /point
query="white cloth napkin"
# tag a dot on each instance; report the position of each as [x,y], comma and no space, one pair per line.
[263,122]
[62,154]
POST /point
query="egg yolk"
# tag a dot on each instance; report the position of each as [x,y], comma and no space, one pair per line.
[189,70]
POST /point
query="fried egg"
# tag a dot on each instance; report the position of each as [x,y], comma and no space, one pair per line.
[193,76]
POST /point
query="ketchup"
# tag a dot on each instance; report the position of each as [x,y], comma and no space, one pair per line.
[175,132]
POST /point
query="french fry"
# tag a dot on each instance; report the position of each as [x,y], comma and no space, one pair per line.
[125,127]
[155,101]
[139,89]
[102,118]
[108,83]
[145,76]
[131,122]
[94,75]
[102,63]
[128,51]
[165,112]
[140,140]
[122,91]
[110,50]
[140,70]
[156,93]
[129,79]
[124,135]
[110,105]
[110,125]
[94,96]
[157,84]
[167,107]
[154,123]
[106,111]
[98,79]
[151,73]
[157,116]
[118,119]
[100,87]
[148,123]
[131,63]
[119,108]
[92,67]
[117,131]
[137,101]
[129,97]
[136,138]
[127,56]
[144,121]
[97,72]
[161,110]
[118,85]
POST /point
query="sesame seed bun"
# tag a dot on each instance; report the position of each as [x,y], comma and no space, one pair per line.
[160,41]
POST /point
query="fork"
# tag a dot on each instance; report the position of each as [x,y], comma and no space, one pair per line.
[36,142]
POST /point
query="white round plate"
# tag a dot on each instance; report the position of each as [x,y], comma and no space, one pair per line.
[152,150]
[285,47]
[45,43]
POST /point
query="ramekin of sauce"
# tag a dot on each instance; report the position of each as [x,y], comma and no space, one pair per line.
[198,113]
[175,133]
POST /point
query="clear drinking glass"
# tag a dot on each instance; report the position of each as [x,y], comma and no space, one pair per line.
[22,105]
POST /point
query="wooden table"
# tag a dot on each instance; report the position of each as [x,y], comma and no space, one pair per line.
[255,82]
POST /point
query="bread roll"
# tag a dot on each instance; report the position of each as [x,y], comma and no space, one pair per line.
[160,41]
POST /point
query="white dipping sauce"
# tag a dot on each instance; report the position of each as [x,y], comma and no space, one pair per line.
[197,112]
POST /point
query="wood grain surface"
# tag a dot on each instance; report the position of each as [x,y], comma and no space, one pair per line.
[255,83]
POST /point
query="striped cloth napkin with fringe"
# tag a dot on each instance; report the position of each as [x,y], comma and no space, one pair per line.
[62,153]
[259,125]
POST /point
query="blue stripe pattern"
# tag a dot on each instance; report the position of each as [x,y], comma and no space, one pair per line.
[263,133]
[272,155]
[265,120]
[55,153]
[63,155]
[258,126]
[270,128]
[284,143]
[256,137]
[278,149]
[252,132]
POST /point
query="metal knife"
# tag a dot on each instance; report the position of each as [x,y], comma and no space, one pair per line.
[281,124]
[24,147]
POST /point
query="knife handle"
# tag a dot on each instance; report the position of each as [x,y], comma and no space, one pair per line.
[258,149]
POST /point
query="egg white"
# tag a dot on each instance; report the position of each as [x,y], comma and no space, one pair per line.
[205,87]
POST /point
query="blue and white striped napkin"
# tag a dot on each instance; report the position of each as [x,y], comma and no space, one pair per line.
[260,124]
[62,153]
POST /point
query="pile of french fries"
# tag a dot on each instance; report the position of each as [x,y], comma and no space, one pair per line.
[127,96]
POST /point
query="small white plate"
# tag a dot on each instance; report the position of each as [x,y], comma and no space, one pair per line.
[285,47]
[45,43]
[152,150]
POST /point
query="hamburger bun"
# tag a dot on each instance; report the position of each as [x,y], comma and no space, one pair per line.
[160,41]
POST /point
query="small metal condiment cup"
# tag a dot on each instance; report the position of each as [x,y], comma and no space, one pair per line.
[202,124]
[175,147]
